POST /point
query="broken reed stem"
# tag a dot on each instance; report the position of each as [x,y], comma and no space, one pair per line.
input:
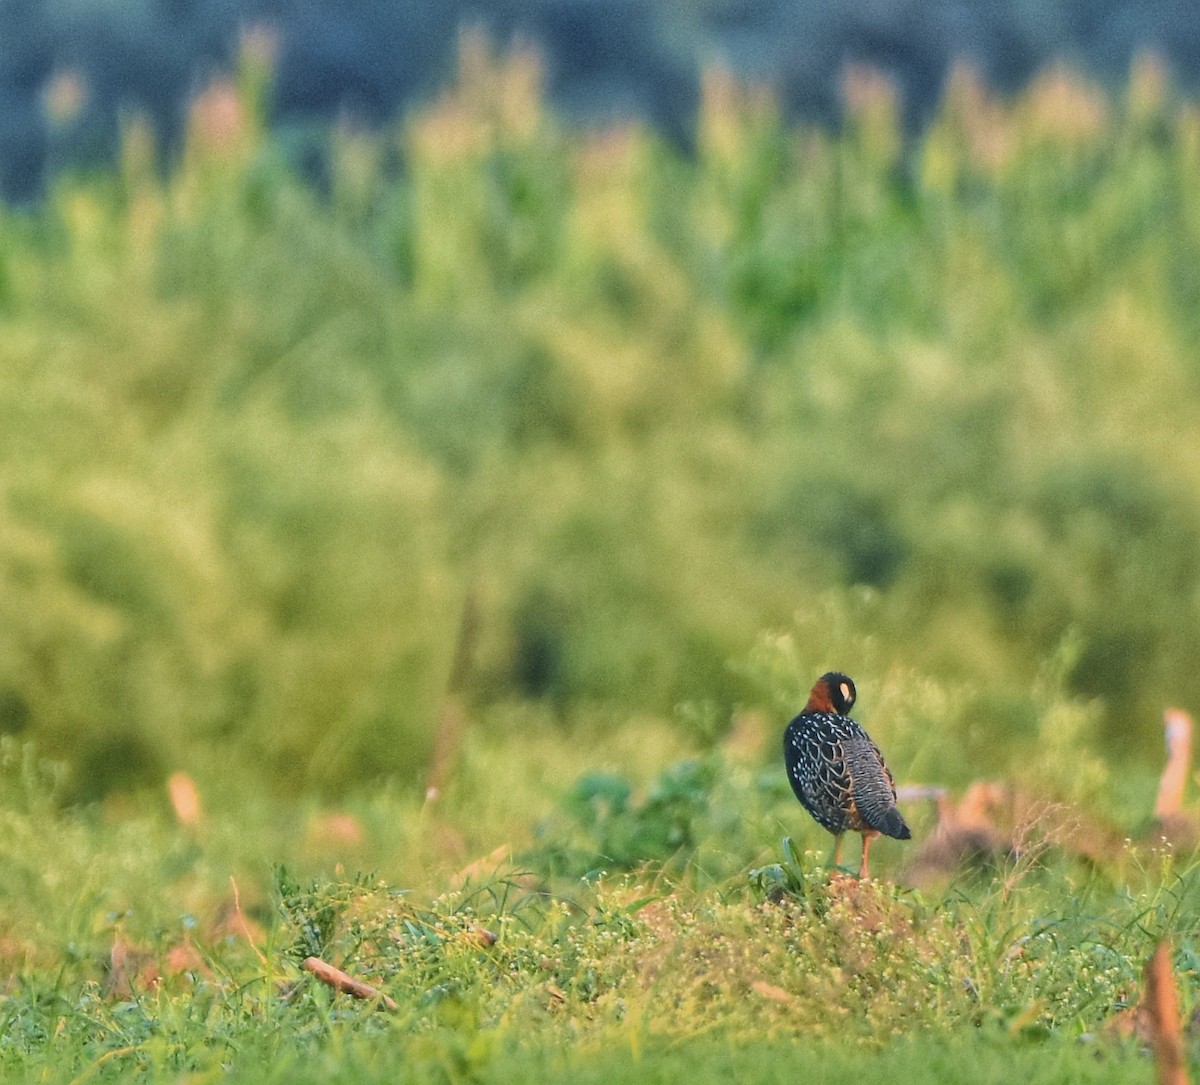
[452,722]
[346,984]
[1177,726]
[1162,1004]
[237,911]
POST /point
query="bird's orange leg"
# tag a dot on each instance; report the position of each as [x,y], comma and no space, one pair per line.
[837,850]
[863,872]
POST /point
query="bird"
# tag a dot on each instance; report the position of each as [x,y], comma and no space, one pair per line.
[837,772]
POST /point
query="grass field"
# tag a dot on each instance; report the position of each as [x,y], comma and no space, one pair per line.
[550,468]
[141,948]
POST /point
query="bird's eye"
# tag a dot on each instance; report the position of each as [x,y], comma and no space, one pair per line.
[847,695]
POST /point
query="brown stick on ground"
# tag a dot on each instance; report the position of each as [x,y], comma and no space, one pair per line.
[1162,1003]
[1178,728]
[346,984]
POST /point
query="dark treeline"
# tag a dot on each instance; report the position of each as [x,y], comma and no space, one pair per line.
[70,72]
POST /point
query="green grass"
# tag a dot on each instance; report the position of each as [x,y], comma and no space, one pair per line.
[136,948]
[385,1055]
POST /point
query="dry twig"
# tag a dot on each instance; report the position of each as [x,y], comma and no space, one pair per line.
[345,983]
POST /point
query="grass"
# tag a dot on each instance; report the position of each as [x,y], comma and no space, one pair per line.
[439,1059]
[138,948]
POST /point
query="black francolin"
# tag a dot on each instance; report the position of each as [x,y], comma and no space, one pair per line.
[837,772]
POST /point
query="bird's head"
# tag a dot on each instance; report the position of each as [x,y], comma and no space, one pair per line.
[834,692]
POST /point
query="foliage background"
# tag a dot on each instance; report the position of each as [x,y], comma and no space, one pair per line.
[69,72]
[920,407]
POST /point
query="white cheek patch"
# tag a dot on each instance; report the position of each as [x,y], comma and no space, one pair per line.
[847,696]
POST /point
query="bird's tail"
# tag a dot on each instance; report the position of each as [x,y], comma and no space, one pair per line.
[891,823]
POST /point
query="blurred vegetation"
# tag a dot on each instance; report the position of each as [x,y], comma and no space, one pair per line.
[69,72]
[924,409]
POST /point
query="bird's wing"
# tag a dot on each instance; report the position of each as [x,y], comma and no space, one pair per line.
[818,774]
[871,783]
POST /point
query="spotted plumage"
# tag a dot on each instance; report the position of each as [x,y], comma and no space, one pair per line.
[837,772]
